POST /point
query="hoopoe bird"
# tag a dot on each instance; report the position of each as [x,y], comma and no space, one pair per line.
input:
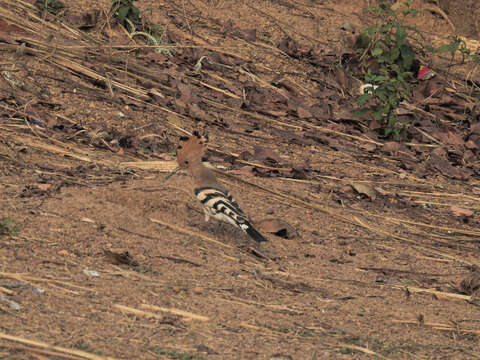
[217,202]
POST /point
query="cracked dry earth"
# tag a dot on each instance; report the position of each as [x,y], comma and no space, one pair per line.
[112,261]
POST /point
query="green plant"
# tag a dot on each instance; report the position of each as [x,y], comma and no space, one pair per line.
[458,45]
[388,46]
[172,354]
[124,11]
[8,227]
[82,345]
[346,351]
[130,17]
[54,7]
[388,53]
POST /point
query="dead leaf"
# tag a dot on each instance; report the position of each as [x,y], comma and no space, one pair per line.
[391,147]
[4,37]
[285,83]
[365,190]
[304,113]
[449,137]
[174,120]
[246,34]
[345,115]
[44,187]
[289,46]
[475,128]
[341,78]
[471,145]
[292,138]
[471,284]
[197,113]
[277,227]
[10,28]
[436,162]
[244,170]
[457,211]
[369,147]
[266,155]
[121,258]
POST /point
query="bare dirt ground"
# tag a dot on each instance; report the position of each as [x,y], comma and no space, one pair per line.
[89,122]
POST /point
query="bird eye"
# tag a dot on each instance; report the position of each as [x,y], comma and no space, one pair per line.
[186,162]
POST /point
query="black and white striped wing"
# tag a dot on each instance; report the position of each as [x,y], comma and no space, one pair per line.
[222,206]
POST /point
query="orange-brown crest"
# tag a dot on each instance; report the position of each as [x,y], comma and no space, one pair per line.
[191,149]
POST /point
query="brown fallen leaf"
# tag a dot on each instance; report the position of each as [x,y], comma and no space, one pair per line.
[369,147]
[277,227]
[4,37]
[121,258]
[475,128]
[441,164]
[457,211]
[449,137]
[471,284]
[246,34]
[304,113]
[44,187]
[244,170]
[266,155]
[391,147]
[365,190]
[471,145]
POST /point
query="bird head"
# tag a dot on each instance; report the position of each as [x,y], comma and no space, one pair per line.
[190,150]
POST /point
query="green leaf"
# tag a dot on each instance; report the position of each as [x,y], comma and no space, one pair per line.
[359,113]
[451,47]
[386,28]
[380,78]
[388,131]
[362,99]
[377,51]
[380,93]
[135,12]
[363,40]
[408,55]
[123,12]
[394,54]
[377,115]
[401,36]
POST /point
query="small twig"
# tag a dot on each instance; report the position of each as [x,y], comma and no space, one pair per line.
[182,313]
[7,291]
[428,136]
[26,278]
[362,349]
[137,312]
[439,294]
[45,352]
[43,345]
[439,326]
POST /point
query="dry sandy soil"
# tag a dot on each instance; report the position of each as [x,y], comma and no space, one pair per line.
[89,122]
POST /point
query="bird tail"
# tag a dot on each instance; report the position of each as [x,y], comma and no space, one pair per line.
[254,234]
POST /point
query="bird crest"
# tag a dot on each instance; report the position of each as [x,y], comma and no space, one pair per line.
[191,148]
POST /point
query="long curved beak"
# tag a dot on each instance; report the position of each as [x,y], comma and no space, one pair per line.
[174,171]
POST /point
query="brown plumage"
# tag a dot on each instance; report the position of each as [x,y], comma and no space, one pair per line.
[216,200]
